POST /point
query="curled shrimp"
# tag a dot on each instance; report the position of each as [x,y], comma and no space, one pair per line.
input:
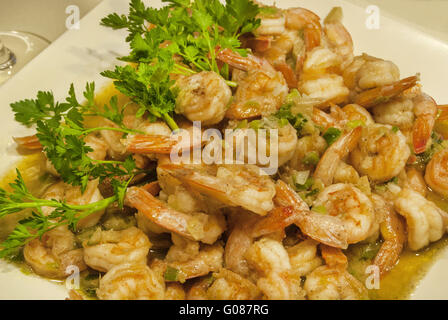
[131,282]
[106,249]
[339,38]
[203,96]
[425,221]
[73,195]
[319,80]
[208,259]
[367,72]
[206,228]
[393,232]
[233,185]
[53,253]
[261,90]
[332,281]
[322,228]
[328,164]
[352,207]
[231,286]
[239,241]
[306,20]
[436,174]
[381,153]
[425,110]
[273,269]
[304,258]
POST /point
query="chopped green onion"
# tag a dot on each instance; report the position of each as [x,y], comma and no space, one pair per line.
[331,135]
[311,158]
[171,274]
[319,209]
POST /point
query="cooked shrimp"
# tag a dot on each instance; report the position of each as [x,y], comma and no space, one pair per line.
[354,112]
[277,54]
[381,153]
[203,97]
[329,88]
[233,185]
[271,261]
[53,253]
[305,145]
[239,241]
[231,286]
[208,259]
[332,281]
[303,257]
[199,226]
[411,111]
[261,90]
[398,112]
[322,228]
[339,38]
[425,221]
[328,164]
[73,195]
[436,174]
[107,249]
[345,173]
[415,180]
[267,255]
[131,282]
[303,19]
[281,148]
[272,23]
[367,72]
[352,207]
[393,231]
[174,291]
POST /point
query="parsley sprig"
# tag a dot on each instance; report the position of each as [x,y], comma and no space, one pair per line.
[34,226]
[181,38]
[61,131]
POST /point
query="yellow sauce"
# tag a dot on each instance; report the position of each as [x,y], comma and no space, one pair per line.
[398,284]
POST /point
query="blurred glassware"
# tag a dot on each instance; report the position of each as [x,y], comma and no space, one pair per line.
[16,50]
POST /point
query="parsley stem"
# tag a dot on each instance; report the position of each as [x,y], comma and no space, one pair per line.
[89,208]
[187,70]
[170,122]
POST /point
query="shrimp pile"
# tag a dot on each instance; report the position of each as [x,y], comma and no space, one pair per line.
[358,154]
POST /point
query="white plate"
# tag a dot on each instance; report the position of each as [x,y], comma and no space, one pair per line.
[79,55]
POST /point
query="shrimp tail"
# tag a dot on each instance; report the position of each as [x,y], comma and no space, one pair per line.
[382,94]
[322,228]
[158,212]
[328,164]
[421,133]
[28,142]
[237,61]
[393,231]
